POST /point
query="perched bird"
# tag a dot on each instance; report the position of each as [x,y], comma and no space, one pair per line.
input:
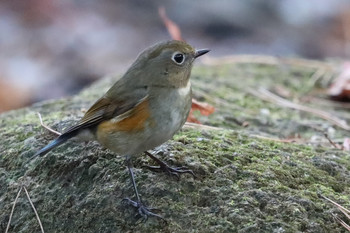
[143,109]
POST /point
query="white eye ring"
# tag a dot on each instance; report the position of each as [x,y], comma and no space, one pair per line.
[178,58]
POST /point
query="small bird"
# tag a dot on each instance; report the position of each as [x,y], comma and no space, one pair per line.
[142,110]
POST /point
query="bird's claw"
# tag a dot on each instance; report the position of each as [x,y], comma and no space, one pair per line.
[142,211]
[171,171]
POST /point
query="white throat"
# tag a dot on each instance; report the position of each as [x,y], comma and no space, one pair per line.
[185,90]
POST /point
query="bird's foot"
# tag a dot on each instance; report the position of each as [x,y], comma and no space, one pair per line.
[142,211]
[163,167]
[174,171]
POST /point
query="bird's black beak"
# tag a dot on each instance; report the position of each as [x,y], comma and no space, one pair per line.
[201,52]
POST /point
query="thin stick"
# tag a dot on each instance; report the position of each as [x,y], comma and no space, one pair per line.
[345,211]
[316,76]
[269,96]
[33,207]
[47,127]
[346,226]
[333,143]
[13,209]
[336,204]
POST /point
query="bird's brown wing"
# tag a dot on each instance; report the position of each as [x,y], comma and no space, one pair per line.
[120,99]
[106,108]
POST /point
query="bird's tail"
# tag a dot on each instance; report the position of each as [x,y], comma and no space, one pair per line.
[58,141]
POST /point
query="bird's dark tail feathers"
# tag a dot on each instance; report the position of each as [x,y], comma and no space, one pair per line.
[58,141]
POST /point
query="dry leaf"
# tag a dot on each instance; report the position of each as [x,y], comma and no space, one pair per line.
[204,108]
[191,118]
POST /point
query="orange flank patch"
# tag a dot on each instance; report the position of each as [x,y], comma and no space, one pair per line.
[135,121]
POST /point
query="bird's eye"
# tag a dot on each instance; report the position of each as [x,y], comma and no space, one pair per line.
[178,58]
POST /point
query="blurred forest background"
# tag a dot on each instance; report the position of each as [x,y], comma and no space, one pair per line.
[53,48]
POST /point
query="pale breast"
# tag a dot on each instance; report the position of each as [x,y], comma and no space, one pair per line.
[170,112]
[163,114]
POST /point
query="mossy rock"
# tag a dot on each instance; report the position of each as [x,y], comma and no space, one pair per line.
[244,183]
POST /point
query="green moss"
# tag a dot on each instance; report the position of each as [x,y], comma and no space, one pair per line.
[244,183]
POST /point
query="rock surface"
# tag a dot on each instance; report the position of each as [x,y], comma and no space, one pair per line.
[245,183]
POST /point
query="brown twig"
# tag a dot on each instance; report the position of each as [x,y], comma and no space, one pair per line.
[268,96]
[46,127]
[331,142]
[33,207]
[173,29]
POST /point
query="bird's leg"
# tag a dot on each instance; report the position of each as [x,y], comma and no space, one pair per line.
[166,168]
[142,210]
